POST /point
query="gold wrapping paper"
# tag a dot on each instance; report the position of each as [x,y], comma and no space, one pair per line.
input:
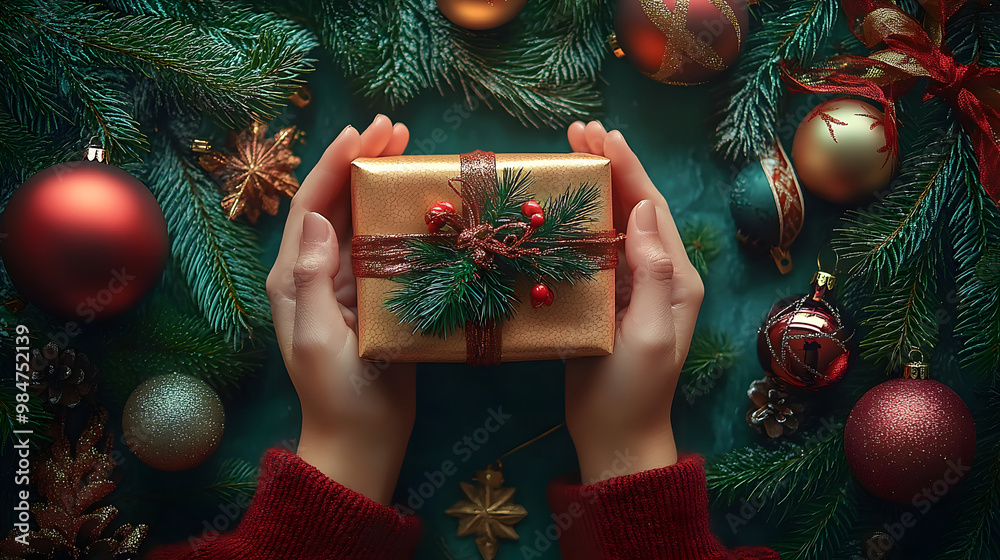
[390,195]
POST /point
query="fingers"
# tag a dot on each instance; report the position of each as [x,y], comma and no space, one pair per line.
[577,137]
[595,135]
[648,324]
[631,184]
[324,183]
[397,144]
[318,323]
[376,137]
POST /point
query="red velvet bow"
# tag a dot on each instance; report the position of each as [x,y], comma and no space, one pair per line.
[912,52]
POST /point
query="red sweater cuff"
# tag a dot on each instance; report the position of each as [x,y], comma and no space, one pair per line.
[656,514]
[298,513]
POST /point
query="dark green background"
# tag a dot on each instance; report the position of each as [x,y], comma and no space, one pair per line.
[669,129]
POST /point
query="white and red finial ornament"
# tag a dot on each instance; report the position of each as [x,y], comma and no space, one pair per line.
[541,295]
[533,211]
[435,215]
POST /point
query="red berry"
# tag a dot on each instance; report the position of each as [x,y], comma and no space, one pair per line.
[550,298]
[531,208]
[434,226]
[537,220]
[541,295]
[445,205]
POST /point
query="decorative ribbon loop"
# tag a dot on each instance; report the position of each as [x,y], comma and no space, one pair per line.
[973,91]
[387,256]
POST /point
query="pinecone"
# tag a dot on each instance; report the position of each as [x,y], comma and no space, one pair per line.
[772,412]
[65,378]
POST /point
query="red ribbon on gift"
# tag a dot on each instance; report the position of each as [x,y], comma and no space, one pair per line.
[912,52]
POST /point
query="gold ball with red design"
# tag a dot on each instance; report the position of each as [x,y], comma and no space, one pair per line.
[841,152]
[680,42]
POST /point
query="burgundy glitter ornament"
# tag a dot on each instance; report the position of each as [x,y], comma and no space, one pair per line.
[910,440]
[803,343]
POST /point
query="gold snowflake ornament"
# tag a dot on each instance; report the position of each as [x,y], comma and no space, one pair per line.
[488,513]
[256,172]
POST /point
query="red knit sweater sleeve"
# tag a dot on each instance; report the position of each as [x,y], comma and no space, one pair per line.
[299,513]
[660,514]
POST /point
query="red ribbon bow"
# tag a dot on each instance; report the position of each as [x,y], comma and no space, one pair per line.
[912,52]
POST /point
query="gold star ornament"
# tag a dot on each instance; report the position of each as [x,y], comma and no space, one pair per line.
[255,172]
[488,513]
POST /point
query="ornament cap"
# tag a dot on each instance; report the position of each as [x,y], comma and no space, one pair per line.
[916,368]
[201,146]
[94,152]
[615,47]
[824,280]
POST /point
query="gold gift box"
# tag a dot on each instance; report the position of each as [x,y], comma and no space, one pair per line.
[390,195]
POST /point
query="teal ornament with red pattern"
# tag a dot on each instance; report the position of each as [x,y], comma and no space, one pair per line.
[767,205]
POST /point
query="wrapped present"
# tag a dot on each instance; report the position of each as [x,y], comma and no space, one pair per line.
[484,257]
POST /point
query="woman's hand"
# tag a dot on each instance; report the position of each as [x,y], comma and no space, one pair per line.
[356,417]
[618,406]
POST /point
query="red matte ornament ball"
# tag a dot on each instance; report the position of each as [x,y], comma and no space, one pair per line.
[541,295]
[530,208]
[910,440]
[83,240]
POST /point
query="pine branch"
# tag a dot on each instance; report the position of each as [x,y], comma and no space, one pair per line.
[541,68]
[20,148]
[107,111]
[902,315]
[38,418]
[236,75]
[792,31]
[236,479]
[974,535]
[166,339]
[887,237]
[219,257]
[821,524]
[783,477]
[702,242]
[710,354]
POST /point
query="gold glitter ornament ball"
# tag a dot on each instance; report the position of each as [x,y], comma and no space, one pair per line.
[173,422]
[480,14]
[841,153]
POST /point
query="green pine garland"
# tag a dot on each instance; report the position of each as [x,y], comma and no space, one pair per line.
[447,289]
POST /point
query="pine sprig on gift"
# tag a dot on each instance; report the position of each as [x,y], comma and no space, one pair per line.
[792,31]
[447,289]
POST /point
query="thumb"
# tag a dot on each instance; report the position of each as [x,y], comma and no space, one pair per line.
[318,324]
[649,321]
